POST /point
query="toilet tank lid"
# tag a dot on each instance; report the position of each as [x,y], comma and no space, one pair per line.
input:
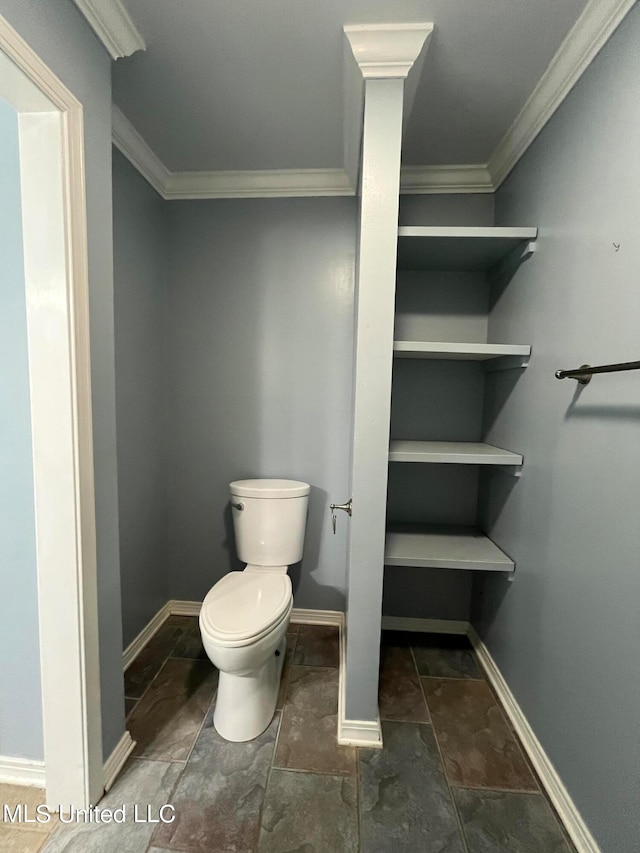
[269,488]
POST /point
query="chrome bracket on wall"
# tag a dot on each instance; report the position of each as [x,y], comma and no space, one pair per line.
[345,507]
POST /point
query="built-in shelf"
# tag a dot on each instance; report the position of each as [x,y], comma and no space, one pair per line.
[458,248]
[444,547]
[457,351]
[456,452]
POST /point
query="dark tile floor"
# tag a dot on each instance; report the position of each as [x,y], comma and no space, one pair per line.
[451,778]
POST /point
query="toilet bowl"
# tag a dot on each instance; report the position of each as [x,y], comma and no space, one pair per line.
[244,616]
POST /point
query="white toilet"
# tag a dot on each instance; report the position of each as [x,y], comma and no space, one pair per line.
[244,617]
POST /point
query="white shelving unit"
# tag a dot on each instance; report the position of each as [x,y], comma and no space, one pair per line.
[454,452]
[457,351]
[461,249]
[444,547]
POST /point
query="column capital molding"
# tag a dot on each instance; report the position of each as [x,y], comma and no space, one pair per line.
[386,50]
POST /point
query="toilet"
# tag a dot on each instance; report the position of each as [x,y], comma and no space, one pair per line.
[244,616]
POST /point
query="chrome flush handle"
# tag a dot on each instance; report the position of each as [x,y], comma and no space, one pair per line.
[239,507]
[344,507]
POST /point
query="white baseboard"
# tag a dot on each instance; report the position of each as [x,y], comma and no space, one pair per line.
[135,647]
[184,608]
[552,783]
[300,616]
[21,771]
[175,607]
[114,764]
[425,626]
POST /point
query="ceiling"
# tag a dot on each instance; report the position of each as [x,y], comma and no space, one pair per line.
[242,98]
[245,85]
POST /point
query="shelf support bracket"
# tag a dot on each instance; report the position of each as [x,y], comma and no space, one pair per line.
[505,362]
[505,268]
[510,470]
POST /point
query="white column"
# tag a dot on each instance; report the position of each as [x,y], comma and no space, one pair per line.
[385,55]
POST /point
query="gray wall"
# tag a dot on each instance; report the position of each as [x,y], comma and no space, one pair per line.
[257,301]
[63,39]
[20,696]
[566,633]
[260,337]
[140,263]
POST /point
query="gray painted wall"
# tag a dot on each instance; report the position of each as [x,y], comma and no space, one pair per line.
[566,633]
[63,39]
[20,695]
[258,305]
[260,338]
[140,263]
[463,209]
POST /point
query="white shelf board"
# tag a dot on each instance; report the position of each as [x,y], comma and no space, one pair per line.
[457,248]
[444,547]
[456,452]
[455,351]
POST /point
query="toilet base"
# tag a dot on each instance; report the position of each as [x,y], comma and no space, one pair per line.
[245,704]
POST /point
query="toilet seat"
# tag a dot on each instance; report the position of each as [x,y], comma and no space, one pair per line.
[243,607]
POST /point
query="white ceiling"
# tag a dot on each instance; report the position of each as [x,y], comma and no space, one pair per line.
[249,84]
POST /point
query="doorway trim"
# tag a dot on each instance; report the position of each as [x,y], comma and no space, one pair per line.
[51,139]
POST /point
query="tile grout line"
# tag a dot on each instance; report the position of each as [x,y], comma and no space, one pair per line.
[160,668]
[204,720]
[186,761]
[497,790]
[424,697]
[184,764]
[511,730]
[277,738]
[451,677]
[541,788]
[505,719]
[539,791]
[333,775]
[461,831]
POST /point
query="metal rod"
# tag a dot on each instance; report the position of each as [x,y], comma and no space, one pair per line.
[584,373]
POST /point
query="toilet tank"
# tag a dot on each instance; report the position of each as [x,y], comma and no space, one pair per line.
[269,519]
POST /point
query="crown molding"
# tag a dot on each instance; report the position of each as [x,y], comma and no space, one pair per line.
[112,24]
[280,183]
[427,180]
[588,35]
[387,50]
[129,142]
[272,183]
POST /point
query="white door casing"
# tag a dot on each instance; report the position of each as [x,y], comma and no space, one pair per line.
[51,140]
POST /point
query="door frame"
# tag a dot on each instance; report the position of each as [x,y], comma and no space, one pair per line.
[51,141]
